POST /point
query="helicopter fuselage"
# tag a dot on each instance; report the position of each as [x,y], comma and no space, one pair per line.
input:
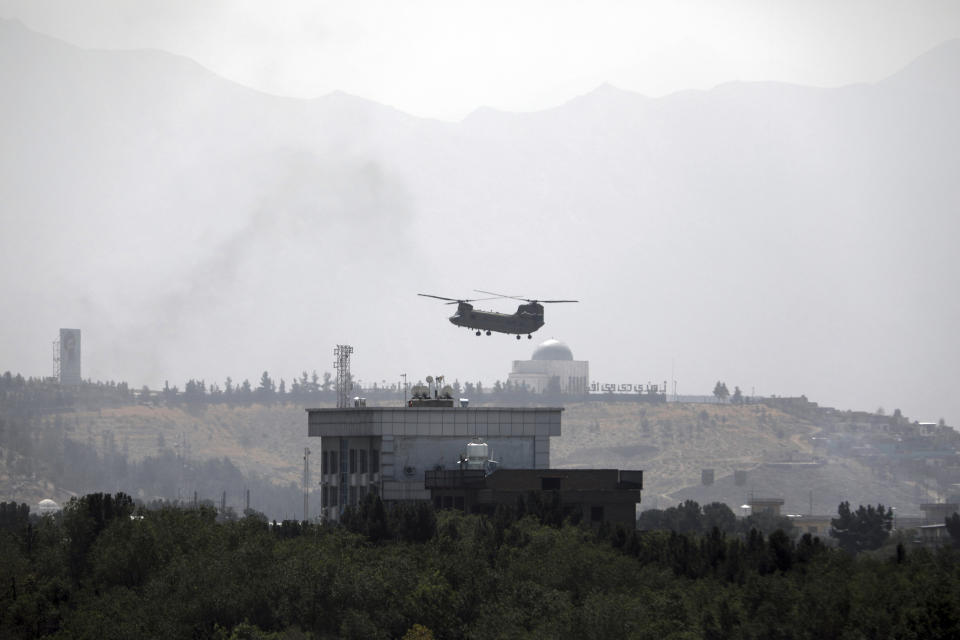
[527,319]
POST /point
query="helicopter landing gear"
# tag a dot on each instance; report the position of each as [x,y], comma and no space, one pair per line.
[529,337]
[478,333]
[488,333]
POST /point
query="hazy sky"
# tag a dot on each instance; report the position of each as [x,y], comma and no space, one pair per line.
[191,228]
[443,59]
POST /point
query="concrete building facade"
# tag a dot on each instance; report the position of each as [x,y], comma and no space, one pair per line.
[386,450]
[593,495]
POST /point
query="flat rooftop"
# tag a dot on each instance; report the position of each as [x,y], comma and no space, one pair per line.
[435,421]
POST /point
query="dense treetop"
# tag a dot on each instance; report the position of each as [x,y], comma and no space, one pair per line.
[106,568]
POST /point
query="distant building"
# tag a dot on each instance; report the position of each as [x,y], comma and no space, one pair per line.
[765,505]
[47,506]
[937,512]
[933,535]
[595,495]
[386,450]
[552,368]
[70,357]
[816,525]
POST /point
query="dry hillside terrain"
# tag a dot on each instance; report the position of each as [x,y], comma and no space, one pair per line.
[672,443]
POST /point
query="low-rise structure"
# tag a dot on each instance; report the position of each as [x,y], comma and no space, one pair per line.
[593,495]
[386,450]
[765,505]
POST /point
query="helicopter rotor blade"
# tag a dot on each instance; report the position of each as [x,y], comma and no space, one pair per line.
[453,300]
[500,295]
[429,295]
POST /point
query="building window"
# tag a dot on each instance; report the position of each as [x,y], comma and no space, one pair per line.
[374,490]
[333,462]
[374,461]
[458,502]
[324,469]
[333,496]
[550,484]
[353,496]
[596,514]
[363,461]
[353,460]
[362,493]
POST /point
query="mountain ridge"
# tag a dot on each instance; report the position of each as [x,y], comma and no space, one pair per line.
[168,206]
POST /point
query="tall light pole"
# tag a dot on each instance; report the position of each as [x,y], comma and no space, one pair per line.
[404,376]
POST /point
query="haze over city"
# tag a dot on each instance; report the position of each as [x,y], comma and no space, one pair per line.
[756,194]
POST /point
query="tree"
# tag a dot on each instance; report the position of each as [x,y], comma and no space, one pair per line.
[737,396]
[720,390]
[953,528]
[169,393]
[245,392]
[719,515]
[862,530]
[266,389]
[86,517]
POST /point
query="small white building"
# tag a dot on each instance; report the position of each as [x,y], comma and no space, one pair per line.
[552,368]
[47,506]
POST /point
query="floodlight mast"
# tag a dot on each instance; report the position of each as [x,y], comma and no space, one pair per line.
[342,365]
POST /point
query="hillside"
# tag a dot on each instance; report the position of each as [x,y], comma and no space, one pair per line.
[672,443]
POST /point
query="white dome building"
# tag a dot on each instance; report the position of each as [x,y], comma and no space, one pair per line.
[552,368]
[47,506]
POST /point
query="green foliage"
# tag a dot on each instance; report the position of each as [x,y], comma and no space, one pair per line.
[720,390]
[953,529]
[180,573]
[864,529]
[689,517]
[13,516]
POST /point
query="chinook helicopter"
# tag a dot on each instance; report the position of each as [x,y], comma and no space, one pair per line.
[527,319]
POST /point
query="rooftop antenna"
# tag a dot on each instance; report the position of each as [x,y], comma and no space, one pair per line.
[342,364]
[673,377]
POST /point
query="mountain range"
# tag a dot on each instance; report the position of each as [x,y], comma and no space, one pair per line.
[786,239]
